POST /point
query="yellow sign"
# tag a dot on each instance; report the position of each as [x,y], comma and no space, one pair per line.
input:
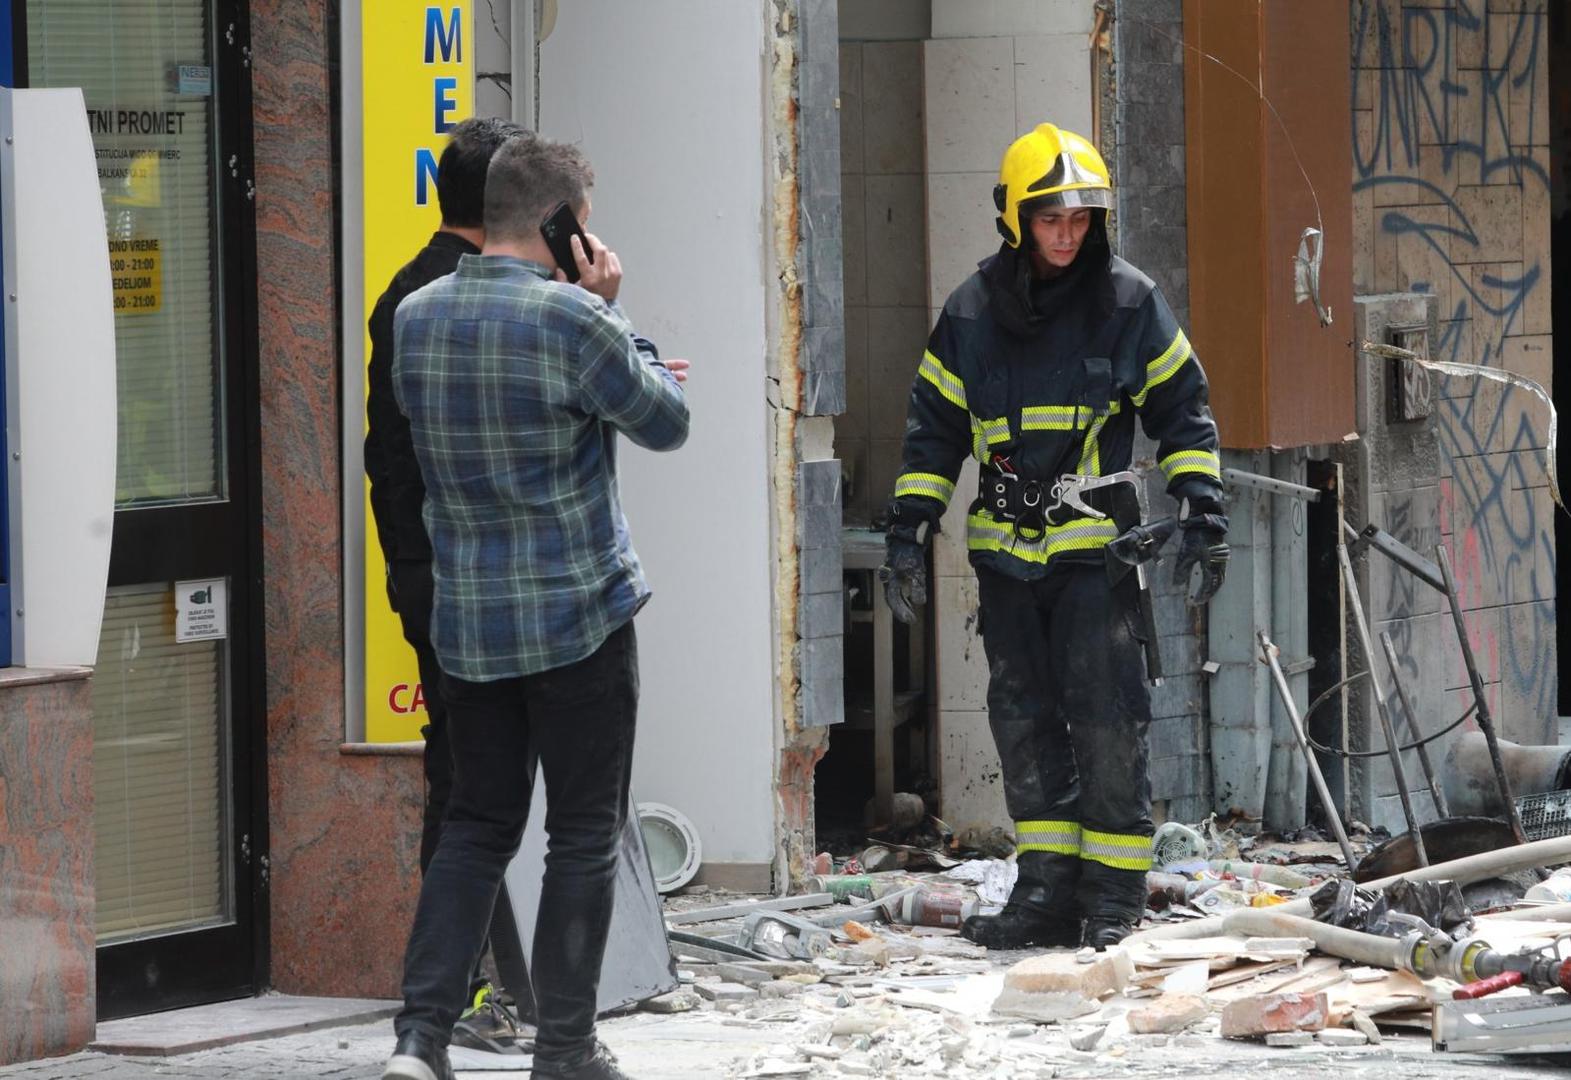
[136,268]
[418,82]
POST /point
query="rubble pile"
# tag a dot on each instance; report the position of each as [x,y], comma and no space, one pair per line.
[868,976]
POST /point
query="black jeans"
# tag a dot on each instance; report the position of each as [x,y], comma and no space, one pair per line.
[1069,711]
[577,722]
[412,587]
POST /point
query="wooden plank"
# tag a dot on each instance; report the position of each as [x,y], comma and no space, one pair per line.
[1245,972]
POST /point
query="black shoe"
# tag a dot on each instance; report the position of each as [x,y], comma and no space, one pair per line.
[1103,932]
[487,1026]
[1020,928]
[600,1066]
[417,1057]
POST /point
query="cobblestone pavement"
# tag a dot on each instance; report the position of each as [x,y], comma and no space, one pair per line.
[710,1044]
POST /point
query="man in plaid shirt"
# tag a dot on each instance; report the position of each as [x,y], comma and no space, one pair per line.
[516,385]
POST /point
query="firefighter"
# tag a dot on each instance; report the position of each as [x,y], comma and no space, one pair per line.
[1038,367]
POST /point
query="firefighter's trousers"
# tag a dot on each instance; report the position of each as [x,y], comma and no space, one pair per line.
[1069,710]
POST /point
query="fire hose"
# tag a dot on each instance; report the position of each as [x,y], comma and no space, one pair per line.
[1423,951]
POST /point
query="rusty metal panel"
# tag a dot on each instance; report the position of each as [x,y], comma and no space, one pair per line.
[1306,60]
[1278,378]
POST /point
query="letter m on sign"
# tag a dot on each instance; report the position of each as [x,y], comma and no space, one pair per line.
[446,36]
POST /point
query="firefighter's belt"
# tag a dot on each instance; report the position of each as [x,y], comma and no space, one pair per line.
[1032,504]
[1023,503]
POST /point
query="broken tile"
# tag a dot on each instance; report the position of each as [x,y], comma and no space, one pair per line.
[1289,1038]
[725,991]
[1341,1037]
[1086,1038]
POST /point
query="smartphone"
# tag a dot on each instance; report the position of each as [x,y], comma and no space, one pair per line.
[559,228]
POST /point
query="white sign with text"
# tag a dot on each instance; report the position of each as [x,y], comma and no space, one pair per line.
[201,610]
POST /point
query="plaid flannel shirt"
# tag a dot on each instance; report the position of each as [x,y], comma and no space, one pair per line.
[515,387]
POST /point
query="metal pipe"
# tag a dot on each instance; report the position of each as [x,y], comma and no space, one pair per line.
[1486,722]
[1393,745]
[1291,708]
[1403,556]
[1240,478]
[1287,790]
[1412,726]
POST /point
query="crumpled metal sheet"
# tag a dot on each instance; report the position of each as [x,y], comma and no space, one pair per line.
[1306,272]
[1479,371]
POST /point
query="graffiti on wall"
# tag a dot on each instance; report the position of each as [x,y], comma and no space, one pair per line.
[1451,150]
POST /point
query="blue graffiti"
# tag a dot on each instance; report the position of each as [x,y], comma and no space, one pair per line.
[1422,102]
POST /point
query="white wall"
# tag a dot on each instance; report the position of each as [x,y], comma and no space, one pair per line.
[667,99]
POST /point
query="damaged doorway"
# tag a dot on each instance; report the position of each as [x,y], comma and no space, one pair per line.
[931,92]
[885,270]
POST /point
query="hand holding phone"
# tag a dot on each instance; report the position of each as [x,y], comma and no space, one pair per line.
[558,229]
[580,257]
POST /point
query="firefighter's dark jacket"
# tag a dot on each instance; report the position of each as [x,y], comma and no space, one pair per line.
[1050,378]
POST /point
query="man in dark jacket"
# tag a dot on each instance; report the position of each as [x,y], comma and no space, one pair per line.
[397,493]
[1038,367]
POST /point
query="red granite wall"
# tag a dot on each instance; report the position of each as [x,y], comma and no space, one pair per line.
[47,983]
[345,829]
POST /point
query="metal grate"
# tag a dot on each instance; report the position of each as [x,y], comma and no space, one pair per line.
[1546,814]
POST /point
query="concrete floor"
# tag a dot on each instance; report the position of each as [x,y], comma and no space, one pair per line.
[760,1040]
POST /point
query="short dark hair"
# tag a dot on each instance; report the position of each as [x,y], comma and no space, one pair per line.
[460,175]
[527,178]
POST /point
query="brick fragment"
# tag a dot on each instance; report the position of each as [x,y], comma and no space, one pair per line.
[1168,1014]
[1266,1014]
[1061,973]
[1058,986]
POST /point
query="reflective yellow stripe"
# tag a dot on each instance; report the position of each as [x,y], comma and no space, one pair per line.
[984,533]
[1165,366]
[1060,837]
[920,483]
[1121,851]
[1091,451]
[933,370]
[996,431]
[1054,417]
[1192,461]
[985,433]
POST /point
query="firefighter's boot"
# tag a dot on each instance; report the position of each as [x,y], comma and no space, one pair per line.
[1113,901]
[1041,909]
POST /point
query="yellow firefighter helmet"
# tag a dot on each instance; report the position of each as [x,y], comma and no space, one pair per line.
[1046,167]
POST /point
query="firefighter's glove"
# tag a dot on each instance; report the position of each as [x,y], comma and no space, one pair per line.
[1204,544]
[904,574]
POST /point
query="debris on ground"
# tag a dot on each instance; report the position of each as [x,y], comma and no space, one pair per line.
[868,976]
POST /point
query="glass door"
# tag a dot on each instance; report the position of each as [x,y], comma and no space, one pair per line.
[178,720]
